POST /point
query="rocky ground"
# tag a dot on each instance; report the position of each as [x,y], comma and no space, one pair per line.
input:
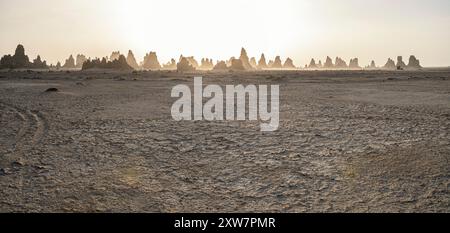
[348,141]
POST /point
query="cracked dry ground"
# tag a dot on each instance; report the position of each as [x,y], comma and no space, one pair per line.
[348,142]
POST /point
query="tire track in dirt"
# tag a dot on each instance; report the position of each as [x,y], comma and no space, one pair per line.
[34,127]
[41,127]
[23,128]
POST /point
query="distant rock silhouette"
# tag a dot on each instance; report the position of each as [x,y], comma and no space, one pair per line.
[220,65]
[328,63]
[371,65]
[270,64]
[171,65]
[414,63]
[245,60]
[206,64]
[18,60]
[400,62]
[184,65]
[354,63]
[276,63]
[80,60]
[340,63]
[228,62]
[312,64]
[39,64]
[116,64]
[58,65]
[121,63]
[320,64]
[7,62]
[131,60]
[262,62]
[236,64]
[191,61]
[289,64]
[70,63]
[390,64]
[114,56]
[151,61]
[253,63]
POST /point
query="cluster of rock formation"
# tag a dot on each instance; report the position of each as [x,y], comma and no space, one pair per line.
[118,64]
[277,63]
[69,63]
[262,64]
[20,60]
[328,63]
[274,64]
[80,60]
[38,63]
[131,60]
[289,64]
[236,64]
[184,65]
[206,64]
[312,64]
[372,65]
[118,61]
[400,63]
[115,61]
[413,63]
[239,64]
[151,61]
[220,65]
[354,64]
[390,64]
[339,63]
[245,60]
[171,65]
[253,62]
[193,62]
[114,55]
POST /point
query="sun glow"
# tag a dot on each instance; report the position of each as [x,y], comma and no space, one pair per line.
[214,29]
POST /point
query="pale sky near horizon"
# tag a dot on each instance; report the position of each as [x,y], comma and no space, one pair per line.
[300,29]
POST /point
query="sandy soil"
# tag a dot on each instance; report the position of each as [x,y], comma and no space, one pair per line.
[349,141]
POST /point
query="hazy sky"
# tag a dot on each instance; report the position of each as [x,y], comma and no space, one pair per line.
[300,29]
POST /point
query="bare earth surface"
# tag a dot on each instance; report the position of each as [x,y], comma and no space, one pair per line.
[349,141]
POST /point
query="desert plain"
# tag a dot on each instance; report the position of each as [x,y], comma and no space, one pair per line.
[105,141]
